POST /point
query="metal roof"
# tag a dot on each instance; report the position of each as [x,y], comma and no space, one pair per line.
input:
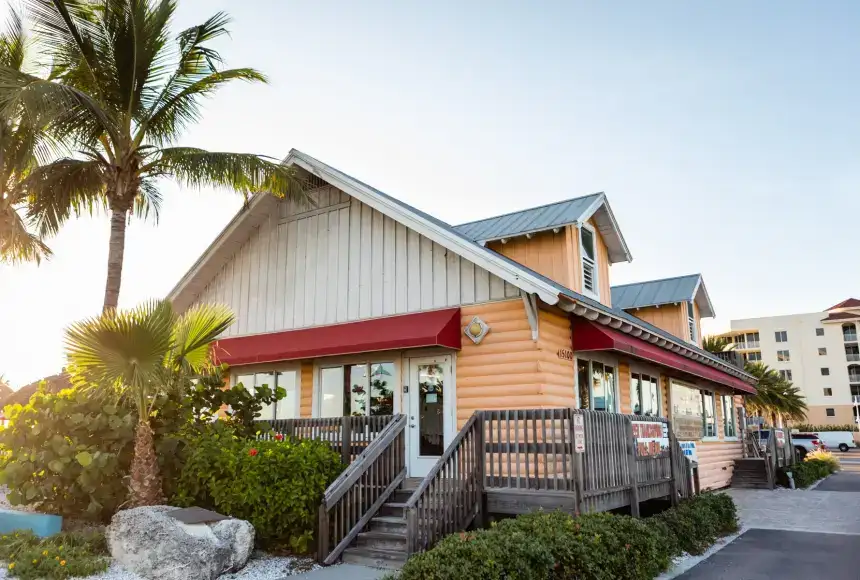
[554,215]
[533,219]
[665,291]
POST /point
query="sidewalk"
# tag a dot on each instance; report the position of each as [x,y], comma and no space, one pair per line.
[342,572]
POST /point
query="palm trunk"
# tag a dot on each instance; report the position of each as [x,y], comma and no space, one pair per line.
[116,252]
[145,485]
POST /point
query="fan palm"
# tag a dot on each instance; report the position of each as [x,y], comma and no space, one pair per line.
[121,94]
[143,354]
[775,398]
[18,143]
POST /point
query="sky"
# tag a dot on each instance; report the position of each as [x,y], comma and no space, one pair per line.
[725,134]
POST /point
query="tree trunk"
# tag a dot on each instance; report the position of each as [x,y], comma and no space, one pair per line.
[116,251]
[145,485]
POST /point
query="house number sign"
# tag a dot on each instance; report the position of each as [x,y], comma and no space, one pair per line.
[565,354]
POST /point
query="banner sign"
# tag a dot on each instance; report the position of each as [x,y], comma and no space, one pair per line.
[689,450]
[652,438]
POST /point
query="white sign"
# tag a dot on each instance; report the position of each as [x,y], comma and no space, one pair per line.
[652,438]
[578,434]
[689,450]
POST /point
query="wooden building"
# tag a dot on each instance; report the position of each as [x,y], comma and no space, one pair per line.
[358,304]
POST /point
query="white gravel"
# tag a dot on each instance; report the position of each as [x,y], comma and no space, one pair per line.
[4,503]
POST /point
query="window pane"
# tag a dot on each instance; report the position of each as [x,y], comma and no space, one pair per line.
[431,422]
[355,390]
[331,392]
[609,388]
[382,389]
[687,413]
[655,396]
[587,243]
[728,416]
[287,408]
[636,395]
[709,415]
[268,379]
[597,390]
[583,383]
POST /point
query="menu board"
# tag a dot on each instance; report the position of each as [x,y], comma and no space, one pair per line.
[652,438]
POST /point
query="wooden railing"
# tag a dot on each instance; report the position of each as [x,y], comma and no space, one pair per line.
[358,432]
[452,494]
[356,495]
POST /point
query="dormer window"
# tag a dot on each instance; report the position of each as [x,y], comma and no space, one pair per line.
[691,321]
[588,250]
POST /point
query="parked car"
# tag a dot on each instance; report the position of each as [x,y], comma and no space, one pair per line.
[806,442]
[842,440]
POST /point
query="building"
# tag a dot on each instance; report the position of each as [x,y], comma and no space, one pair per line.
[357,303]
[817,351]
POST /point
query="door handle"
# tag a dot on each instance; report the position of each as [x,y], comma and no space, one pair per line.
[412,426]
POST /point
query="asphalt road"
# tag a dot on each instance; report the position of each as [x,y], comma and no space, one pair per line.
[783,555]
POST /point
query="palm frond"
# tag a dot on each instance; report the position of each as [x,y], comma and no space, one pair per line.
[17,244]
[62,189]
[193,334]
[243,172]
[13,42]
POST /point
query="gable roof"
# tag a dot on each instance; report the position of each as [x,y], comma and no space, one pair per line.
[551,216]
[524,278]
[850,303]
[664,291]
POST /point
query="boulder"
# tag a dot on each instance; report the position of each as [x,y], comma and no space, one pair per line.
[150,543]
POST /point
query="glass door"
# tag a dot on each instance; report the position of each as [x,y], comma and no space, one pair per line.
[430,412]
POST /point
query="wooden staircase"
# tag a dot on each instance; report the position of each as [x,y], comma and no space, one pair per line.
[382,544]
[751,473]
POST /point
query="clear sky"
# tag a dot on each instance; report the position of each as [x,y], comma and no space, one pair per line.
[726,135]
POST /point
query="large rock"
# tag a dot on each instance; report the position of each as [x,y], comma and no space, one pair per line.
[156,546]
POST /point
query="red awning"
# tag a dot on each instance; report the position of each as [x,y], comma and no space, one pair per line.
[588,336]
[423,329]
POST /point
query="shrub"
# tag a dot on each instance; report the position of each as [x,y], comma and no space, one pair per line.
[825,457]
[67,453]
[817,465]
[807,428]
[66,555]
[697,522]
[276,485]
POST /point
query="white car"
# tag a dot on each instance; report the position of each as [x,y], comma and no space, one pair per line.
[842,440]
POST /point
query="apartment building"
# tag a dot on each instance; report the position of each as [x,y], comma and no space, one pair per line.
[817,351]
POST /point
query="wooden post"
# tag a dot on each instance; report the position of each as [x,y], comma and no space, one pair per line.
[634,471]
[346,440]
[578,468]
[673,466]
[323,539]
[481,459]
[411,531]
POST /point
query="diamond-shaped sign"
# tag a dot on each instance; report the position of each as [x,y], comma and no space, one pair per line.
[476,330]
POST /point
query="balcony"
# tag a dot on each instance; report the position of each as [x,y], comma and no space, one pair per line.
[849,336]
[852,356]
[752,344]
[733,357]
[852,378]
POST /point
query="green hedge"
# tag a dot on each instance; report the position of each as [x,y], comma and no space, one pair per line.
[807,472]
[591,547]
[807,428]
[276,485]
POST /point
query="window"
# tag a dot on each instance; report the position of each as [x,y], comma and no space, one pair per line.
[855,390]
[644,395]
[286,408]
[852,352]
[819,332]
[691,322]
[687,412]
[828,392]
[753,356]
[830,412]
[783,356]
[854,373]
[359,389]
[589,260]
[596,385]
[752,340]
[785,375]
[849,332]
[710,415]
[825,372]
[729,423]
[781,336]
[822,352]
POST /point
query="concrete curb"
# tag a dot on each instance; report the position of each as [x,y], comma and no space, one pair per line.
[687,562]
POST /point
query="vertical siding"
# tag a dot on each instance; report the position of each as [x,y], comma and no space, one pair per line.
[546,253]
[670,317]
[306,389]
[602,267]
[339,260]
[574,265]
[697,315]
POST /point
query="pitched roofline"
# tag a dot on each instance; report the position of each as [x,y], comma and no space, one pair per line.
[699,287]
[510,213]
[655,280]
[602,201]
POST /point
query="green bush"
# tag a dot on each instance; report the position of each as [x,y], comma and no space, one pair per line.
[66,555]
[276,485]
[807,428]
[67,453]
[591,547]
[809,471]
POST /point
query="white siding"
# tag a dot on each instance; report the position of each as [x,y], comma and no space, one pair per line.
[337,261]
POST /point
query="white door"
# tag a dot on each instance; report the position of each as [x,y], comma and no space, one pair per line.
[431,412]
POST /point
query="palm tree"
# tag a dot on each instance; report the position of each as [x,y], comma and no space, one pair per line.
[716,344]
[142,355]
[775,398]
[121,94]
[18,143]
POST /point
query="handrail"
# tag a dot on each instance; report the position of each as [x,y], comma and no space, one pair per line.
[353,498]
[451,496]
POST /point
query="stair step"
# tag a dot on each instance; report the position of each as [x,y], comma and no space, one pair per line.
[388,524]
[387,541]
[392,509]
[388,559]
[400,495]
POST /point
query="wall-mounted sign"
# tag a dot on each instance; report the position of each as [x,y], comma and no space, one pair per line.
[476,330]
[652,438]
[780,438]
[689,450]
[565,354]
[578,433]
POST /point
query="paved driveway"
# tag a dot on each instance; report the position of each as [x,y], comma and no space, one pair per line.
[782,555]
